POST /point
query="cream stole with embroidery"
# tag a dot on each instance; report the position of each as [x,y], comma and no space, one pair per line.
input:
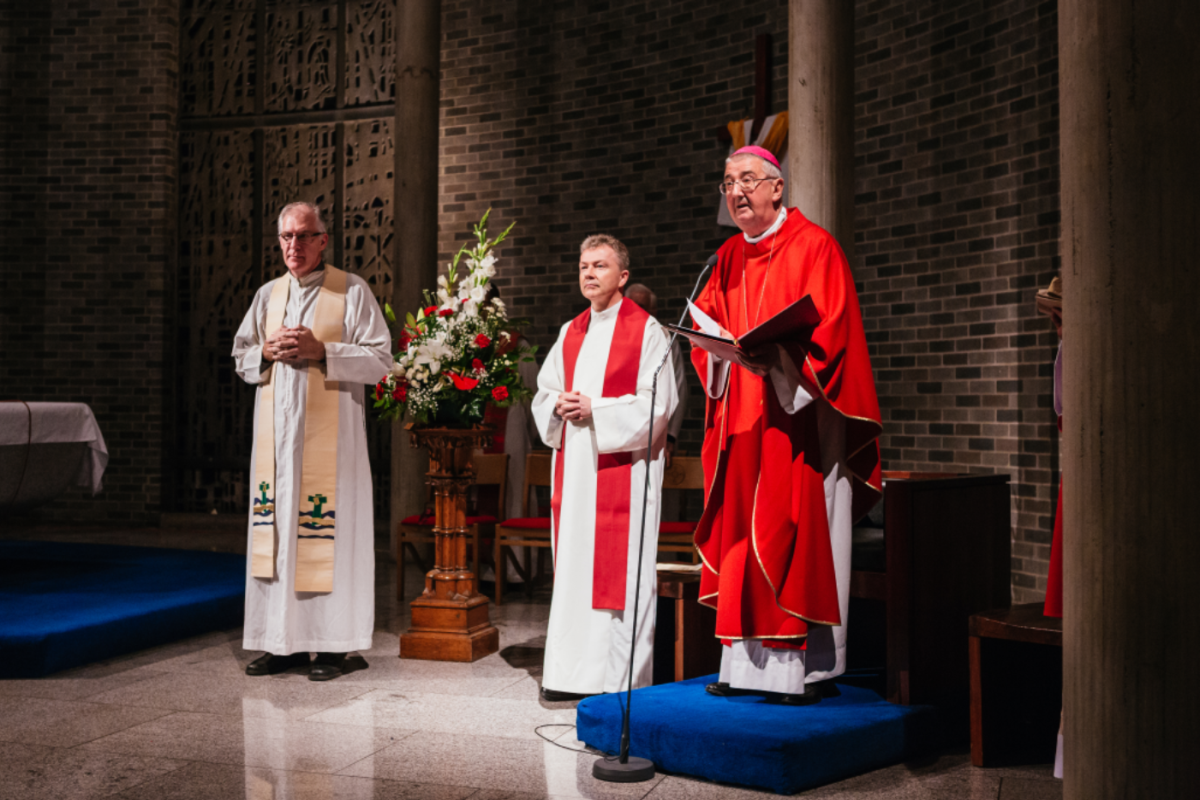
[318,479]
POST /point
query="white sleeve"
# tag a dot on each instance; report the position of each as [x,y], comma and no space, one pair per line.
[550,384]
[365,357]
[793,391]
[622,424]
[248,341]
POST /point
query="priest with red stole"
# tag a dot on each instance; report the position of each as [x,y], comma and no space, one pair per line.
[790,453]
[593,408]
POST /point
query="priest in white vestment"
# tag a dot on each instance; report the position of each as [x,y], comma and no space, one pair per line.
[279,355]
[593,408]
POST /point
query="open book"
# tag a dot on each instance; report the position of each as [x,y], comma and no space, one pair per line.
[793,324]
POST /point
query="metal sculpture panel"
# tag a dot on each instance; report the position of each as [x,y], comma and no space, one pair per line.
[217,63]
[301,57]
[368,223]
[370,52]
[299,165]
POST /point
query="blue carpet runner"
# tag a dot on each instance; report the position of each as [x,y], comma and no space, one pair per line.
[62,604]
[746,741]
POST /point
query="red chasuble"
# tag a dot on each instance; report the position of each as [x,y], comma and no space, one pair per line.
[764,535]
[614,471]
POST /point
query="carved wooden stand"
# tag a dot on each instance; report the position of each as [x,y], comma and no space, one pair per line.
[450,619]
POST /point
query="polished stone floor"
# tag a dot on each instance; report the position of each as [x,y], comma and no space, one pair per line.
[184,721]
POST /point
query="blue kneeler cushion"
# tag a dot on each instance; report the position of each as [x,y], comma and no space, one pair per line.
[63,604]
[745,740]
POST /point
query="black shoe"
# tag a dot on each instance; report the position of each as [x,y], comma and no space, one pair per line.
[327,666]
[722,689]
[555,696]
[267,664]
[810,696]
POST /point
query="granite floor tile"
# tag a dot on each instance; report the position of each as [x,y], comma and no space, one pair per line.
[78,684]
[511,765]
[47,772]
[904,783]
[271,697]
[441,713]
[199,781]
[251,741]
[1031,789]
[678,787]
[65,723]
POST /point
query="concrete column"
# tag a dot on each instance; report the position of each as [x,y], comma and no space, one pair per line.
[821,114]
[1129,78]
[418,51]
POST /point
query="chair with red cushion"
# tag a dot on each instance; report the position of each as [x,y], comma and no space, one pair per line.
[490,470]
[527,530]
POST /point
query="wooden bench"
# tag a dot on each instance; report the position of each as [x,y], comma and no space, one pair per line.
[1016,685]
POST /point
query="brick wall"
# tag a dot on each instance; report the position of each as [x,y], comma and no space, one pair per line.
[88,101]
[574,118]
[957,225]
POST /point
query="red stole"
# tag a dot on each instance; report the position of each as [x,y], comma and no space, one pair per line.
[614,472]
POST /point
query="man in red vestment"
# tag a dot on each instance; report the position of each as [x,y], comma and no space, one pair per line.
[790,453]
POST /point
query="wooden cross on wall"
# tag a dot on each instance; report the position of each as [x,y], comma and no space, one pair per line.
[762,90]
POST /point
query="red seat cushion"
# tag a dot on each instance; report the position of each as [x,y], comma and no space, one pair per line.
[677,527]
[528,523]
[430,520]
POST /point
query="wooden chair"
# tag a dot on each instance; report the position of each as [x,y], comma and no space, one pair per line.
[490,470]
[686,472]
[524,531]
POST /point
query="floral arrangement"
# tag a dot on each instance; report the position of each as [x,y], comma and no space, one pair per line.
[458,353]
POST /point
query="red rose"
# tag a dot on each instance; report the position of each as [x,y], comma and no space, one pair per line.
[429,312]
[482,341]
[500,393]
[463,384]
[477,365]
[399,393]
[379,391]
[445,312]
[403,342]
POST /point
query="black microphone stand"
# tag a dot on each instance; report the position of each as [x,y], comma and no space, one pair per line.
[626,768]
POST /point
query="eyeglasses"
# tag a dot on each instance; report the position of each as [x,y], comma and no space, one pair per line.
[748,184]
[301,238]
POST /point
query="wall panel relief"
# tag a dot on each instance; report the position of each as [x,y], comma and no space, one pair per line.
[283,100]
[300,164]
[368,222]
[370,52]
[301,55]
[217,64]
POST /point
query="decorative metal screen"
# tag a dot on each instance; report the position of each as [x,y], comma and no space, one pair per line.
[282,100]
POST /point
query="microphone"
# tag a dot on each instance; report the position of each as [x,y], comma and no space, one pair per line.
[628,769]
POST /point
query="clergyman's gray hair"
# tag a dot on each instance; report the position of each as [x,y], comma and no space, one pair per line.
[292,208]
[602,239]
[770,169]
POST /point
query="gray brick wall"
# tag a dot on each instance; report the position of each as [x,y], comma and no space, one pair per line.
[88,105]
[957,224]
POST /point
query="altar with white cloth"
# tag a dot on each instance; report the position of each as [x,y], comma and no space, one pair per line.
[45,448]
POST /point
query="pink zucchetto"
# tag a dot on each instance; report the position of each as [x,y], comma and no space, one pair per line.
[761,152]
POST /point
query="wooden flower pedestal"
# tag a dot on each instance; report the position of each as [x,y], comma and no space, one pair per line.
[450,618]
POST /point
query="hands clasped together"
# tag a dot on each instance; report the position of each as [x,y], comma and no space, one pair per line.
[573,406]
[293,345]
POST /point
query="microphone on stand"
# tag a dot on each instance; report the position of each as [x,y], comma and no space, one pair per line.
[632,769]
